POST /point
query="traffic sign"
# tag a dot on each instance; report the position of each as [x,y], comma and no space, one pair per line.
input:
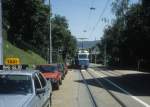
[12,61]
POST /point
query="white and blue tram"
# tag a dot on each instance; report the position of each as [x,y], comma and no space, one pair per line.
[82,59]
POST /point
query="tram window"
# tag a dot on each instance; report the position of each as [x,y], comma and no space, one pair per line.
[82,56]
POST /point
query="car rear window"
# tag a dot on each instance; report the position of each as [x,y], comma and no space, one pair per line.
[47,68]
[15,84]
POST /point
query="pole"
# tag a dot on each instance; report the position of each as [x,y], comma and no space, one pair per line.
[95,58]
[82,44]
[95,55]
[90,55]
[95,51]
[105,54]
[138,65]
[50,35]
[1,37]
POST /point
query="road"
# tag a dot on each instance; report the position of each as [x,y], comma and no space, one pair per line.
[101,87]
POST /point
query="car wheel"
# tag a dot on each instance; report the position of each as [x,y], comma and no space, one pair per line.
[62,77]
[57,86]
[49,104]
[50,99]
[60,82]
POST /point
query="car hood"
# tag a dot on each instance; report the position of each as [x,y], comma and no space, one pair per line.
[13,100]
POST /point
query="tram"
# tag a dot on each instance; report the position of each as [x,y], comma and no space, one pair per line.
[82,59]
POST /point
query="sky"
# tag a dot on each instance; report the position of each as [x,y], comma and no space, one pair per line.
[84,22]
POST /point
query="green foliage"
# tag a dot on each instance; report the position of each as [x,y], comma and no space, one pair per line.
[119,7]
[26,57]
[27,25]
[62,38]
[127,40]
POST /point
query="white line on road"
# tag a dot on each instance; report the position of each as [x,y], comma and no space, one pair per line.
[123,90]
[82,70]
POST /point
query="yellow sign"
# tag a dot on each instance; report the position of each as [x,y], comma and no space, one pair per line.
[12,61]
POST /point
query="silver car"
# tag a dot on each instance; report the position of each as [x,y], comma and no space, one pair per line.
[24,89]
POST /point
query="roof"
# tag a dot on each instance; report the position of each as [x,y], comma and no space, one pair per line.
[83,53]
[19,72]
[46,64]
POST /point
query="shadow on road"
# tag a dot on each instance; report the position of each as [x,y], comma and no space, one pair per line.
[136,84]
[120,68]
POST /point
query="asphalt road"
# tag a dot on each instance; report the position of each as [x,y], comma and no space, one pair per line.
[71,93]
[100,87]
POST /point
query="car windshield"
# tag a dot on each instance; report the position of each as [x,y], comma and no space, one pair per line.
[15,84]
[48,68]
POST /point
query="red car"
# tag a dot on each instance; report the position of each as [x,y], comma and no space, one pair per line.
[50,71]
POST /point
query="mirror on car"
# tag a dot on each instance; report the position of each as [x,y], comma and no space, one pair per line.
[40,91]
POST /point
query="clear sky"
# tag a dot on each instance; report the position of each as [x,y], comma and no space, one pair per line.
[81,19]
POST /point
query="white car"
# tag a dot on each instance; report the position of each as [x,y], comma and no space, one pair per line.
[24,89]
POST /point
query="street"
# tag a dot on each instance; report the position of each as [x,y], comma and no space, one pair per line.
[74,53]
[101,87]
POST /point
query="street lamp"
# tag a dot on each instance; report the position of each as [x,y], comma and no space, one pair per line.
[84,31]
[1,37]
[92,8]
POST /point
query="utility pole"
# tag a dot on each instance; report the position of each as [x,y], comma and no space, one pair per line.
[50,34]
[95,51]
[95,56]
[105,54]
[90,54]
[1,36]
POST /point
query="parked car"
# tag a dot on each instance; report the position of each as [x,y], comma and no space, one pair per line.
[51,72]
[61,70]
[24,89]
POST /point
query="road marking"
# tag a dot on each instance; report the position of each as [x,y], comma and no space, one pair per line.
[83,70]
[123,90]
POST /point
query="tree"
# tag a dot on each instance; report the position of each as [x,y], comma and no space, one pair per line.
[127,40]
[28,22]
[62,38]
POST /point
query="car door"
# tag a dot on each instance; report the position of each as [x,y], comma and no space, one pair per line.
[46,94]
[38,99]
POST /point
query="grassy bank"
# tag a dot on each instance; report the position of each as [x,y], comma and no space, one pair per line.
[26,57]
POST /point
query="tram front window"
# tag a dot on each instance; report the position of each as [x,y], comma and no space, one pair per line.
[82,56]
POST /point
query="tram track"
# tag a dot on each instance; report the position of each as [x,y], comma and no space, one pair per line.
[134,99]
[89,91]
[114,73]
[117,94]
[98,81]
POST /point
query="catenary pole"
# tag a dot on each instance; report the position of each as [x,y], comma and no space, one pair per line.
[50,34]
[1,36]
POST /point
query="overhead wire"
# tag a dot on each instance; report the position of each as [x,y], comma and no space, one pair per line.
[99,19]
[89,15]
